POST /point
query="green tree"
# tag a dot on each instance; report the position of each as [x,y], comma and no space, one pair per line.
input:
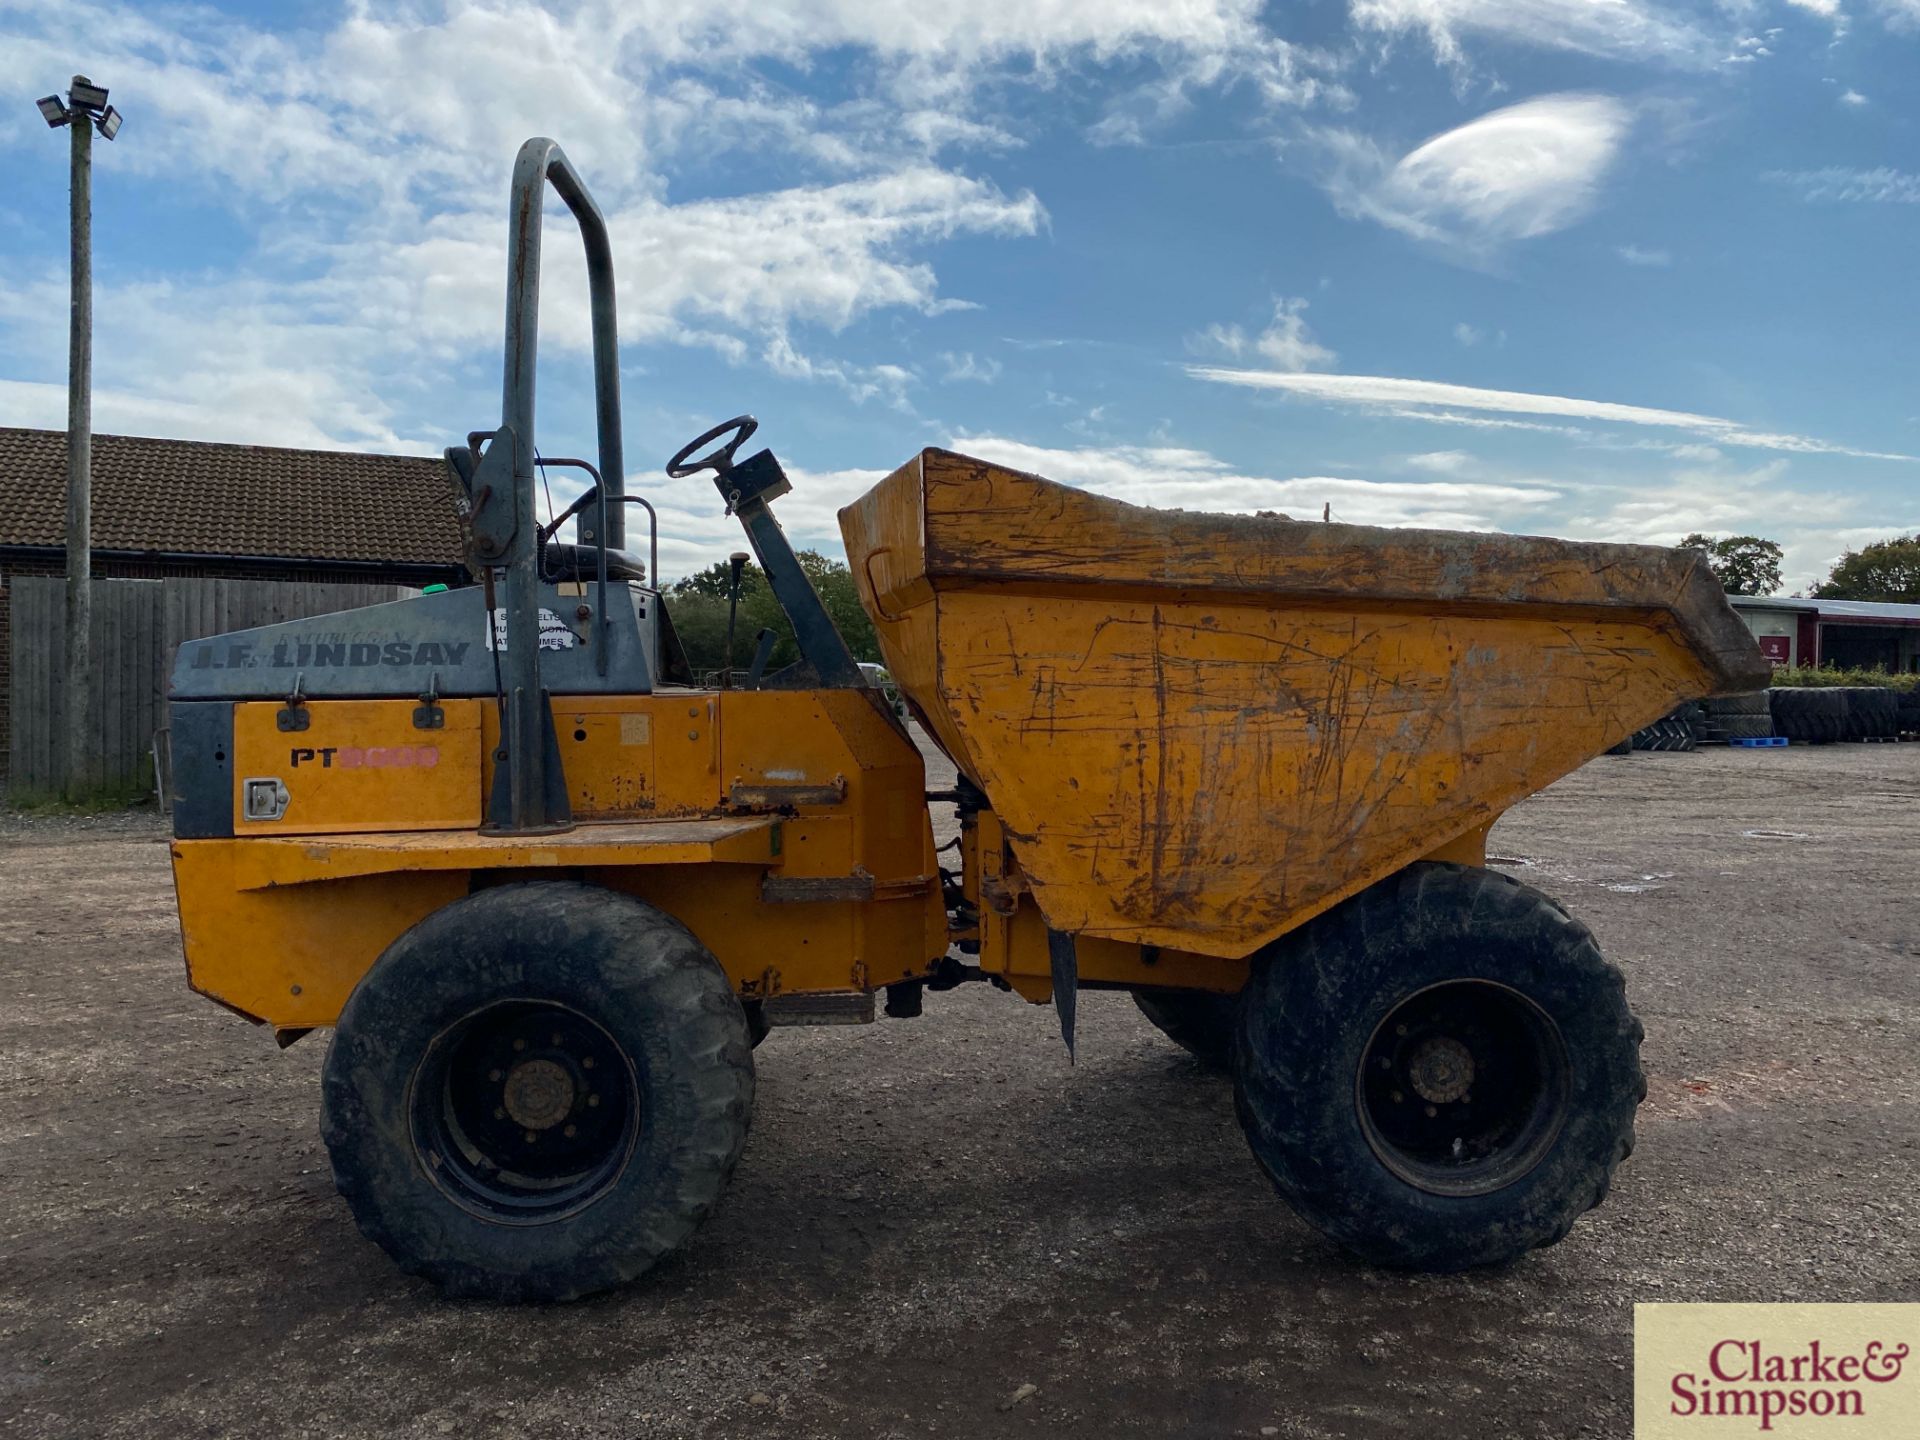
[1884,570]
[1743,564]
[698,604]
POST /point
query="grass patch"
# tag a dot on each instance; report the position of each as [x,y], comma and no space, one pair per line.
[94,802]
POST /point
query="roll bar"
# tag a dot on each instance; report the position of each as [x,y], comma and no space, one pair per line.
[534,799]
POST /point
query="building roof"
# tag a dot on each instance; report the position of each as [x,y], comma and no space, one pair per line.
[195,497]
[1831,609]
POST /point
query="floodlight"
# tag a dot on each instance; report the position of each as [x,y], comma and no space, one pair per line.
[85,95]
[109,123]
[55,113]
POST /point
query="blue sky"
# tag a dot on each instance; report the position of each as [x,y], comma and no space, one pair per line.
[1600,268]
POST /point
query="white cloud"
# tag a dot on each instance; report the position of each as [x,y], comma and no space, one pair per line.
[1437,400]
[1441,462]
[1621,29]
[1879,186]
[339,357]
[1643,255]
[366,157]
[1514,174]
[1287,342]
[1900,16]
[1825,9]
[967,366]
[1467,335]
[1813,527]
[1853,99]
[1175,477]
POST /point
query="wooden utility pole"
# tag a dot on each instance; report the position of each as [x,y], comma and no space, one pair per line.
[81,730]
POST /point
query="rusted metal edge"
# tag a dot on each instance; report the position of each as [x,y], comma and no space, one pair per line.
[1717,635]
[779,797]
[802,889]
[1343,563]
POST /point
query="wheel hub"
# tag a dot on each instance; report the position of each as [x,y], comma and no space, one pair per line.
[1462,1087]
[525,1111]
[1440,1070]
[539,1094]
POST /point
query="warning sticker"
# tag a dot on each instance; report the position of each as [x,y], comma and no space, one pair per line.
[554,634]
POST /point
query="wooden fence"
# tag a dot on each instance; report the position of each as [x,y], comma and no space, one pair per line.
[137,625]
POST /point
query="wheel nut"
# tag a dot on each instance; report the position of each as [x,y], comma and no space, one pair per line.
[496,1076]
[531,1137]
[519,1044]
[593,1100]
[1431,1112]
[556,1037]
[1398,1097]
[499,1113]
[587,1063]
[571,1131]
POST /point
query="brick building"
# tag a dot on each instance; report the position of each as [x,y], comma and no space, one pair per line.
[243,512]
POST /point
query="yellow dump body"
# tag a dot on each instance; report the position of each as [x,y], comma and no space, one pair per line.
[1200,730]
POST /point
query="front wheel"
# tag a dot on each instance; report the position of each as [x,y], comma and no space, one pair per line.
[1198,1021]
[1441,1072]
[537,1092]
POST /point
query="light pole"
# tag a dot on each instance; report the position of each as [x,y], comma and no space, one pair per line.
[84,110]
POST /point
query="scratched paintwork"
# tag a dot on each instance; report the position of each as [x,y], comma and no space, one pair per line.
[281,927]
[1200,730]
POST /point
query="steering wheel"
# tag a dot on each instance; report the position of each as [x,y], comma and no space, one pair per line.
[721,459]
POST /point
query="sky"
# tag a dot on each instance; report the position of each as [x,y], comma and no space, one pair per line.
[1605,269]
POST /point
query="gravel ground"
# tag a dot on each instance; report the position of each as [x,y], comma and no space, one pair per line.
[939,1227]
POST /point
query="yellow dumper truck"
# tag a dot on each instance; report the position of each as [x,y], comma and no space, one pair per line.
[549,893]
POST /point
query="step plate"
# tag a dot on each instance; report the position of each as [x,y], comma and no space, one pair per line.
[831,1009]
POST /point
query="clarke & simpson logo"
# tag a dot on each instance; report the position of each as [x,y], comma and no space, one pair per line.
[1775,1370]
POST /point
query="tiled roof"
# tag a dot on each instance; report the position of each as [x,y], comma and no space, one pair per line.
[190,496]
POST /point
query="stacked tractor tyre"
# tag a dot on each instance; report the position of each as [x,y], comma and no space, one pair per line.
[1907,711]
[1673,732]
[1805,715]
[1735,717]
[1812,716]
[1873,713]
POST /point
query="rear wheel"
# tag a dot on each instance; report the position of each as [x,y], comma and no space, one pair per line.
[537,1092]
[1198,1021]
[1441,1072]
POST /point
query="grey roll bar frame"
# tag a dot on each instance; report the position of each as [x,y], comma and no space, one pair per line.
[535,800]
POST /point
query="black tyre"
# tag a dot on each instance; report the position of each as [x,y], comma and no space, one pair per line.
[1441,1072]
[537,1092]
[1907,710]
[757,1027]
[1198,1021]
[1873,713]
[1746,727]
[1814,715]
[1669,734]
[1752,702]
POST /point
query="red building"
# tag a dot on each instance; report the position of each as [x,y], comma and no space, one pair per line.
[1846,634]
